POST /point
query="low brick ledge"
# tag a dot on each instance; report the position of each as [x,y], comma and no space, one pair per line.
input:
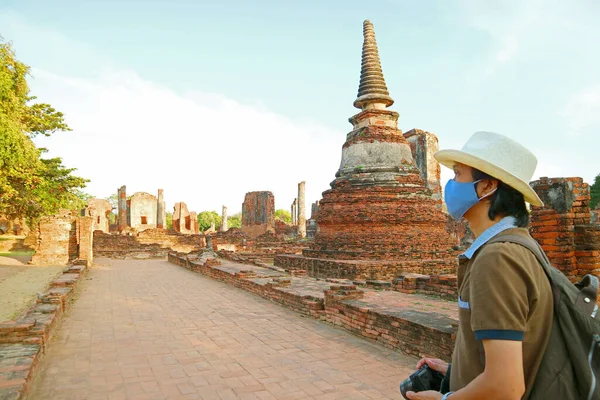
[413,332]
[24,341]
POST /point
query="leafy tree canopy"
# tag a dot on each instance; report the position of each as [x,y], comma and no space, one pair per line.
[206,218]
[169,218]
[283,215]
[595,192]
[234,221]
[30,186]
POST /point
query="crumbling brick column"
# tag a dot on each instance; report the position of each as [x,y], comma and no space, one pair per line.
[122,206]
[301,209]
[423,146]
[224,226]
[161,214]
[85,239]
[294,212]
[562,226]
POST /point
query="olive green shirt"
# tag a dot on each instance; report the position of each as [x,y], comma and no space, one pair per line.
[504,294]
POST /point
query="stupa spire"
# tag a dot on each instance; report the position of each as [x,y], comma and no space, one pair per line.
[372,90]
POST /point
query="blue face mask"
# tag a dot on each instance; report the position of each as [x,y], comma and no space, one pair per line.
[460,197]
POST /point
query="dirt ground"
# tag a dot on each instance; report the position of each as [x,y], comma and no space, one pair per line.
[19,285]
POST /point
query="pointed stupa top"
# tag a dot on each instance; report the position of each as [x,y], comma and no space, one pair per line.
[372,88]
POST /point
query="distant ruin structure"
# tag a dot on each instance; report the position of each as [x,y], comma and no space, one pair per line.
[381,216]
[142,210]
[258,213]
[311,223]
[122,209]
[224,226]
[184,221]
[294,212]
[161,217]
[302,209]
[99,210]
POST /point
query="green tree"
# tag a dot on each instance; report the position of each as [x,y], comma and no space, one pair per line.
[30,186]
[234,221]
[283,215]
[595,192]
[206,218]
[169,218]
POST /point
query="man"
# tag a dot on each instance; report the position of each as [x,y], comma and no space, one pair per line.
[505,300]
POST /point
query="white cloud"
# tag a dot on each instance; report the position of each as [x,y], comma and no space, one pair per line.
[582,112]
[204,149]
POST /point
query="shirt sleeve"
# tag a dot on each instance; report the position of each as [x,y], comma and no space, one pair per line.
[499,292]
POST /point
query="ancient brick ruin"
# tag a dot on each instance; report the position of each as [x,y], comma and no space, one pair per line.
[62,239]
[142,211]
[383,215]
[99,210]
[184,221]
[311,224]
[258,213]
[564,226]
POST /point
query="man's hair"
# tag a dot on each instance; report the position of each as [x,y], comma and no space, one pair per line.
[505,201]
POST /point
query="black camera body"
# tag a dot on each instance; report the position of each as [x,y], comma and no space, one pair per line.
[421,380]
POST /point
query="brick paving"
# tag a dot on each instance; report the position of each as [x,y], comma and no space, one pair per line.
[151,330]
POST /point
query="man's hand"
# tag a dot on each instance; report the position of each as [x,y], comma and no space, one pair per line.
[426,395]
[434,363]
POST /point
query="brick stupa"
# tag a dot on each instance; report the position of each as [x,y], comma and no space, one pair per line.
[380,218]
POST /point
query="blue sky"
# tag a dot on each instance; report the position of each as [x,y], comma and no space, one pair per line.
[209,100]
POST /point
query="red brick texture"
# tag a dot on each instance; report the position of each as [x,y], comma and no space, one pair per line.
[61,239]
[151,243]
[381,212]
[258,213]
[563,226]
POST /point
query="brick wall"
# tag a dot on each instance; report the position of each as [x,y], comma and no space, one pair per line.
[151,243]
[364,269]
[54,239]
[563,226]
[258,213]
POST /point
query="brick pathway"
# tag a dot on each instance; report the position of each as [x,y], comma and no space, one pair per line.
[152,330]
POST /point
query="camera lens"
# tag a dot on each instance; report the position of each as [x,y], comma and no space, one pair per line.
[406,386]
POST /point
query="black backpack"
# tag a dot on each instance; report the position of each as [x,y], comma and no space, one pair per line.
[570,368]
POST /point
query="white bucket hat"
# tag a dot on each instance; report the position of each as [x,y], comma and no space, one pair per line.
[497,156]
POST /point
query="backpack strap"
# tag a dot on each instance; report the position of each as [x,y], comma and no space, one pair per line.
[588,286]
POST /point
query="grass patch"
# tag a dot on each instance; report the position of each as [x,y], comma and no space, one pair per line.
[17,253]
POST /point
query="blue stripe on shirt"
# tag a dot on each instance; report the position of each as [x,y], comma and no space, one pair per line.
[498,334]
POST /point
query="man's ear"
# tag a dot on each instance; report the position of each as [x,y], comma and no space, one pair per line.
[486,186]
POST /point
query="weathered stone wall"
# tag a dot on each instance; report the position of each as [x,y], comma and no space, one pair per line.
[142,211]
[151,243]
[99,210]
[387,270]
[563,226]
[423,146]
[16,226]
[61,239]
[258,213]
[55,239]
[184,221]
[85,240]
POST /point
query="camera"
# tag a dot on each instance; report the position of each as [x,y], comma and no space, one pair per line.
[423,379]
